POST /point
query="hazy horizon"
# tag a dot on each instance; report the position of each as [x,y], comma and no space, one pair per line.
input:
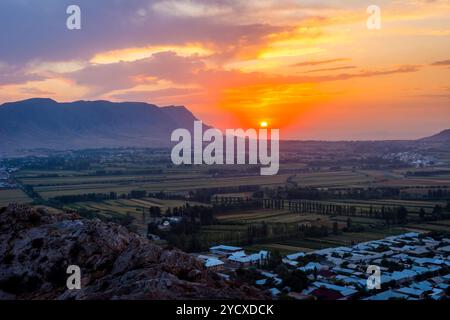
[282,138]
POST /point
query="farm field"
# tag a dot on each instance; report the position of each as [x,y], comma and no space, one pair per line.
[261,229]
[13,195]
[132,207]
[332,179]
[184,179]
[269,215]
[311,244]
[168,185]
[440,225]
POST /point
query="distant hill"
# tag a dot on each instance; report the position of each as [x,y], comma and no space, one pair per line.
[45,123]
[443,136]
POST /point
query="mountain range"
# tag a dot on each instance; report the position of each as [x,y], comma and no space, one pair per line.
[45,123]
[443,136]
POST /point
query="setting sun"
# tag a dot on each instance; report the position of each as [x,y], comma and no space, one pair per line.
[263,124]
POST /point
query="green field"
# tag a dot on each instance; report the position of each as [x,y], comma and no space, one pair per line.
[187,178]
[441,225]
[12,195]
[311,244]
[124,184]
[132,207]
[281,229]
[333,179]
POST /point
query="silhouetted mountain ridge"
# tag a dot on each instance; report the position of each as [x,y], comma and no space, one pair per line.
[45,123]
[443,136]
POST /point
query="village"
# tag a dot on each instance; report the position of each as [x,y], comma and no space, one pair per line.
[412,265]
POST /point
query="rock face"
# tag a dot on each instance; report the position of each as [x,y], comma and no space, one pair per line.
[37,245]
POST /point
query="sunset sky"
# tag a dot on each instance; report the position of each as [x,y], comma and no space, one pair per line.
[309,67]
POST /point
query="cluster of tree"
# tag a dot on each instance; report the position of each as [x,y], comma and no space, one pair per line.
[314,231]
[296,279]
[425,193]
[311,193]
[391,265]
[98,197]
[187,242]
[184,234]
[274,259]
[261,232]
[391,214]
[94,197]
[439,194]
[153,211]
[351,227]
[247,275]
[438,213]
[428,173]
[397,216]
[366,163]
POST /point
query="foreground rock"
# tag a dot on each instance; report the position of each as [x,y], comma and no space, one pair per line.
[37,246]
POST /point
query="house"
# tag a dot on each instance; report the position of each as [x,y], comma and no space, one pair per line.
[401,257]
[387,295]
[352,280]
[291,263]
[402,276]
[412,292]
[274,292]
[298,296]
[445,249]
[343,271]
[242,259]
[295,256]
[313,266]
[269,276]
[346,292]
[327,274]
[425,261]
[332,261]
[214,264]
[223,250]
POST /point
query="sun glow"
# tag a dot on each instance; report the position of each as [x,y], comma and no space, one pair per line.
[263,124]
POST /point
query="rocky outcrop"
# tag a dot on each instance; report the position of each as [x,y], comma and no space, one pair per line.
[38,244]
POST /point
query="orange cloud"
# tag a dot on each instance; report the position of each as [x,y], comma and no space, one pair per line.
[139,53]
